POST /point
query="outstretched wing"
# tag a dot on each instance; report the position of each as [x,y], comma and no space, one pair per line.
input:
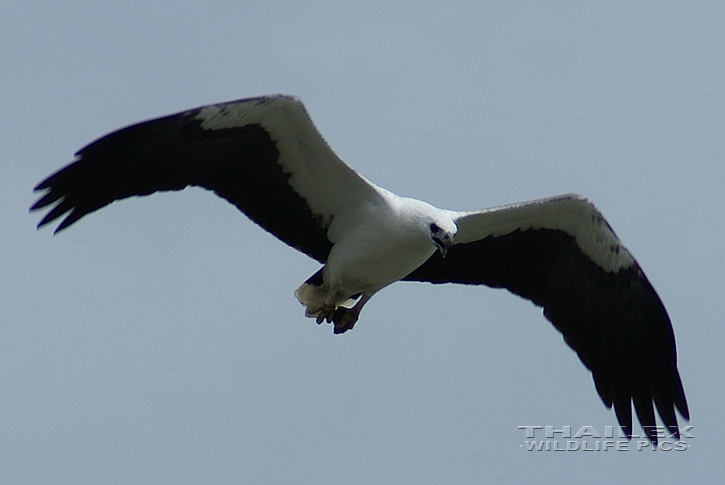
[264,155]
[562,254]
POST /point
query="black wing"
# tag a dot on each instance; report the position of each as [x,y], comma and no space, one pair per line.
[263,155]
[612,318]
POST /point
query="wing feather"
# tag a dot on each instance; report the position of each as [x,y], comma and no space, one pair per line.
[561,254]
[264,155]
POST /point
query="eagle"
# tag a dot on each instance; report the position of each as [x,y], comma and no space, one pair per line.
[265,156]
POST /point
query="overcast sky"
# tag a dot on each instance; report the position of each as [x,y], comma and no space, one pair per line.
[158,340]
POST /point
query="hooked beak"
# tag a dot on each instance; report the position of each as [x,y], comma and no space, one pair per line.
[443,242]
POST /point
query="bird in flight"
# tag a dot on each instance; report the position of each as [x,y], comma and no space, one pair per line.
[265,156]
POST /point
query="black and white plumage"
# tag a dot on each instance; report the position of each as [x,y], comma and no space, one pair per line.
[265,156]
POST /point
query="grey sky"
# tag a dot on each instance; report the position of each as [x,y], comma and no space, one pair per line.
[158,341]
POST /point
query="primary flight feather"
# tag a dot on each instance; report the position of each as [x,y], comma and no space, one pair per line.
[265,156]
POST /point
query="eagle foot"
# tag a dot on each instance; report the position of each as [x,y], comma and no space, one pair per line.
[325,314]
[344,319]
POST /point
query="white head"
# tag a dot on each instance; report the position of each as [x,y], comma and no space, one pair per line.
[441,229]
[441,233]
[435,224]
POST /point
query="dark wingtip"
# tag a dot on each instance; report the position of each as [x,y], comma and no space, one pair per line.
[681,402]
[54,213]
[39,204]
[67,222]
[44,221]
[42,185]
[46,199]
[43,201]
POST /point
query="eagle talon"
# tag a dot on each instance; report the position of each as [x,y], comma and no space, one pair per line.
[326,314]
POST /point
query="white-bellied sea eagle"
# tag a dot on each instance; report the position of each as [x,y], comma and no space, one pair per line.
[265,156]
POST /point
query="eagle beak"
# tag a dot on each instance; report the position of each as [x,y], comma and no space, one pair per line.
[443,243]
